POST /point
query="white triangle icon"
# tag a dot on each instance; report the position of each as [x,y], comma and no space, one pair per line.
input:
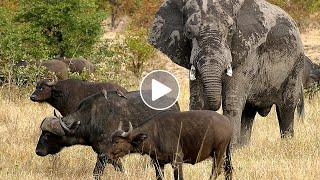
[159,90]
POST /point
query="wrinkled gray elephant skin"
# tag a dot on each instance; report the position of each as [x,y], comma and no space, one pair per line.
[255,42]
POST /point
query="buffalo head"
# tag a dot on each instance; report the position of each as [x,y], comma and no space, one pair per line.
[44,91]
[55,135]
[123,143]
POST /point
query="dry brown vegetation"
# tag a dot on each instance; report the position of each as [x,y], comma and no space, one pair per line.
[267,156]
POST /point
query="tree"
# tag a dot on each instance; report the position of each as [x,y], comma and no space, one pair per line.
[70,27]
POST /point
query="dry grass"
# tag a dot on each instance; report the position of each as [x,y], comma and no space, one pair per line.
[267,156]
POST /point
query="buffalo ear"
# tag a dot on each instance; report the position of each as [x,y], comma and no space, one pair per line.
[167,33]
[138,139]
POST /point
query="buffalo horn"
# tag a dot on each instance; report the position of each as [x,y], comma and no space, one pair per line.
[120,126]
[126,134]
[51,83]
[63,125]
[105,94]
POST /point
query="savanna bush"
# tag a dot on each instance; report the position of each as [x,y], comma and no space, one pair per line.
[300,10]
[141,11]
[36,30]
[70,27]
[122,61]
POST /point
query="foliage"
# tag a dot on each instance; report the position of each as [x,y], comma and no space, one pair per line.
[71,27]
[137,50]
[18,42]
[28,75]
[300,10]
[141,11]
[36,30]
[312,90]
[111,64]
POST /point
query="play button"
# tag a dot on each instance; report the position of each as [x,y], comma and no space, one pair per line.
[164,90]
[159,90]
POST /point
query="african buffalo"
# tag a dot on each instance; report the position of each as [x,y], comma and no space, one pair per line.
[311,72]
[59,68]
[95,119]
[177,137]
[78,64]
[66,95]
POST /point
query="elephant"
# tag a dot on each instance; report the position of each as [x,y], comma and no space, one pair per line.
[245,55]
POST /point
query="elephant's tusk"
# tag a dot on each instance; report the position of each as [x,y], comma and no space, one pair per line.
[192,74]
[229,71]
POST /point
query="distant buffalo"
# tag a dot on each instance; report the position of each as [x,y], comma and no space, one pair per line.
[311,72]
[78,64]
[66,95]
[95,119]
[177,138]
[59,68]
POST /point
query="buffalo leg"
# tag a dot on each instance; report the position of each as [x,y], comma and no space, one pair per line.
[227,164]
[101,163]
[217,157]
[159,169]
[177,167]
[100,166]
[214,173]
[247,118]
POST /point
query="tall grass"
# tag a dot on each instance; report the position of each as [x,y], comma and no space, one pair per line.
[267,156]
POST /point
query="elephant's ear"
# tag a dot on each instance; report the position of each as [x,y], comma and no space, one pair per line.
[167,33]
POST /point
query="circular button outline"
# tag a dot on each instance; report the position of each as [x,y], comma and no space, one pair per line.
[159,109]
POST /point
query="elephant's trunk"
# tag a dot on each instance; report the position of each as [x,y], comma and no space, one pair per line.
[211,76]
[211,64]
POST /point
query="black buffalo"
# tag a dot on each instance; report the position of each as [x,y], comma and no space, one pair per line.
[93,122]
[78,64]
[177,137]
[311,72]
[66,95]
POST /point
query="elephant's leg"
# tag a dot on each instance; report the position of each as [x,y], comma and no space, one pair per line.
[234,99]
[285,116]
[235,93]
[247,118]
[197,100]
[289,100]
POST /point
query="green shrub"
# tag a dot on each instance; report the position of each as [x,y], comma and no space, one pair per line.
[70,27]
[34,30]
[110,65]
[300,10]
[136,50]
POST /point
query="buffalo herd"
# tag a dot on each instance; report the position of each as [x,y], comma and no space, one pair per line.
[115,122]
[93,115]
